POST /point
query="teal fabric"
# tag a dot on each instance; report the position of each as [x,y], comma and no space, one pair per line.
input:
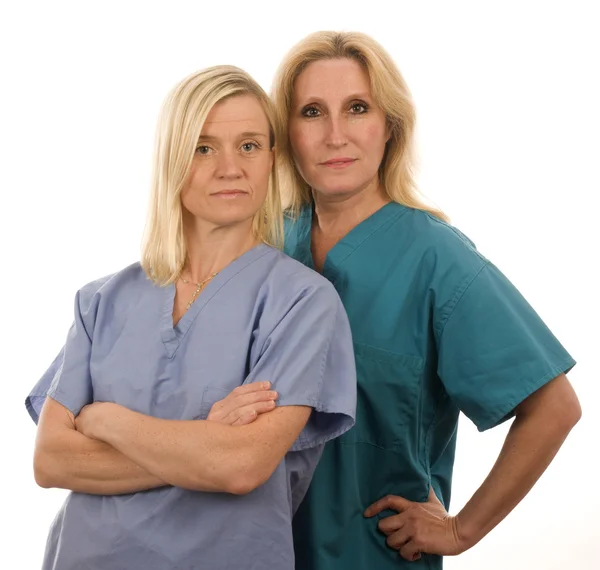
[437,329]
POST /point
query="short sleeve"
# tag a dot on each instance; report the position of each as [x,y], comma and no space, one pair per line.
[494,350]
[68,379]
[309,359]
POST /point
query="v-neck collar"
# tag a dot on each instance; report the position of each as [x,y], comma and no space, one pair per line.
[344,248]
[172,335]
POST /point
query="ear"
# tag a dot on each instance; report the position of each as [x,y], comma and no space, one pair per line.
[388,131]
[273,156]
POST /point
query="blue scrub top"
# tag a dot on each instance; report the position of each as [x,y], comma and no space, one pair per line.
[437,329]
[264,317]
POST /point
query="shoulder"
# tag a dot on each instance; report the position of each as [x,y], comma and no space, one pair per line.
[288,282]
[296,277]
[126,282]
[440,250]
[437,236]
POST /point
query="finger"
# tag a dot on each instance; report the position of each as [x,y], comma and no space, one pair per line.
[232,409]
[255,409]
[246,419]
[394,502]
[247,399]
[253,387]
[235,402]
[398,539]
[410,551]
[389,525]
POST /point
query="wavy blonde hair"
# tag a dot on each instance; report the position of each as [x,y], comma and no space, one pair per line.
[391,94]
[180,123]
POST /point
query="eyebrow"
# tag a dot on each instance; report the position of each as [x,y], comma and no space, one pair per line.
[352,97]
[246,134]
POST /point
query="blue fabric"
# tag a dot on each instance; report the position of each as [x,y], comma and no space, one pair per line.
[264,317]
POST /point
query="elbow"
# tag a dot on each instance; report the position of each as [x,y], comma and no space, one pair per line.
[568,413]
[242,484]
[245,479]
[572,414]
[42,470]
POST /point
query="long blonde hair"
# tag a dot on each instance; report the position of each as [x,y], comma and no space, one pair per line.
[389,90]
[180,123]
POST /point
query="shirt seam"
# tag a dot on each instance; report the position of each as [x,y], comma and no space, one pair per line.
[457,297]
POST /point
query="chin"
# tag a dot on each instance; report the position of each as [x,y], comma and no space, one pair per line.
[225,219]
[337,189]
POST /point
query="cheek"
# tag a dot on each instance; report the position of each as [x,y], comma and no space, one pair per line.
[302,141]
[375,135]
[194,186]
[260,177]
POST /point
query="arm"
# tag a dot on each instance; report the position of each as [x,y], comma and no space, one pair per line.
[197,454]
[542,423]
[67,459]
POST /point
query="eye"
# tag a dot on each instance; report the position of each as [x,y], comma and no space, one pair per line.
[248,147]
[310,111]
[358,108]
[203,149]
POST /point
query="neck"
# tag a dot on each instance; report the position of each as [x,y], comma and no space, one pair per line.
[211,249]
[338,214]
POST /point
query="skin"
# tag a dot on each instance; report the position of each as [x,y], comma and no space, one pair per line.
[334,115]
[326,123]
[233,153]
[108,449]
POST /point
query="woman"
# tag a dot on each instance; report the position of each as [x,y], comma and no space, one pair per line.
[210,307]
[437,328]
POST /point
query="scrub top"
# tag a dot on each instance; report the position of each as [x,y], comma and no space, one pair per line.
[437,329]
[264,317]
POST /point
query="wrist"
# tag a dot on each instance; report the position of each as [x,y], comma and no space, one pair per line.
[467,534]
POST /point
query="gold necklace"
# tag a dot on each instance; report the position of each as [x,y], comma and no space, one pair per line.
[199,287]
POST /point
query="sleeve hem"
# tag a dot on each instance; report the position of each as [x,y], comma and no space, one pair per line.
[32,408]
[63,400]
[342,421]
[506,412]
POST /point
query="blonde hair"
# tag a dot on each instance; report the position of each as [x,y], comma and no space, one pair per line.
[180,123]
[389,90]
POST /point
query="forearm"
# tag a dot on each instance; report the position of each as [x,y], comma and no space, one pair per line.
[531,444]
[86,465]
[203,455]
[198,455]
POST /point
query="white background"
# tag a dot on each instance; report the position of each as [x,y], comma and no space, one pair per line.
[507,96]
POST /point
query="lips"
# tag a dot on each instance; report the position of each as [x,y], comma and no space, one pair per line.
[338,161]
[230,192]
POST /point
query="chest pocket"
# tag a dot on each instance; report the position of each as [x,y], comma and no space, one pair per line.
[388,398]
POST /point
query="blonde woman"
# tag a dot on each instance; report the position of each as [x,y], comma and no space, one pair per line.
[437,328]
[212,307]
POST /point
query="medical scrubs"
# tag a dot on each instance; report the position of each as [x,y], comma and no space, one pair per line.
[437,330]
[264,317]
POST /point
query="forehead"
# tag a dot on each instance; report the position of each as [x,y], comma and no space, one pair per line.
[239,113]
[332,78]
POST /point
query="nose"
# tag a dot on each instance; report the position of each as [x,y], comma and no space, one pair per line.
[336,132]
[228,165]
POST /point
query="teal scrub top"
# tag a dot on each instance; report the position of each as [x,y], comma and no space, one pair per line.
[437,330]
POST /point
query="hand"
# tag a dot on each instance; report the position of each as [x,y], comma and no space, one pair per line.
[93,417]
[244,404]
[419,527]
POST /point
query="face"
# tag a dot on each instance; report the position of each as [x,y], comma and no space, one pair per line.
[229,176]
[337,131]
